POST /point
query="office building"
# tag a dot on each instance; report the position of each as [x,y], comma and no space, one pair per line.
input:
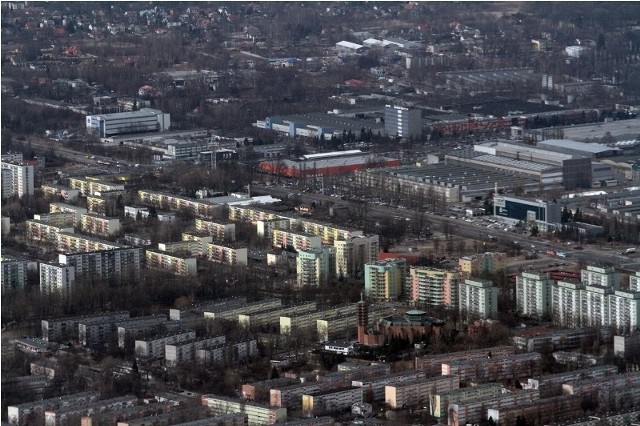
[353,253]
[418,393]
[432,287]
[478,298]
[174,263]
[17,178]
[218,231]
[482,263]
[542,213]
[116,264]
[154,347]
[384,279]
[533,291]
[257,414]
[141,121]
[332,400]
[315,266]
[186,351]
[402,122]
[56,278]
[14,274]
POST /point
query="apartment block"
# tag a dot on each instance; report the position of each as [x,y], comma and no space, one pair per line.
[186,351]
[295,240]
[327,232]
[23,414]
[68,208]
[626,345]
[272,316]
[229,255]
[418,392]
[174,417]
[56,278]
[624,310]
[308,319]
[343,378]
[228,353]
[17,178]
[62,219]
[608,391]
[196,310]
[495,368]
[565,303]
[488,262]
[291,396]
[38,231]
[92,185]
[384,279]
[99,225]
[131,328]
[230,310]
[601,276]
[218,231]
[185,247]
[353,253]
[137,240]
[14,274]
[547,411]
[175,263]
[546,339]
[58,329]
[153,347]
[342,326]
[104,205]
[117,264]
[97,331]
[440,402]
[634,282]
[533,291]
[51,190]
[594,306]
[315,266]
[375,387]
[254,391]
[550,385]
[257,414]
[432,364]
[176,203]
[198,237]
[478,298]
[265,227]
[64,416]
[69,242]
[251,213]
[472,411]
[433,287]
[331,400]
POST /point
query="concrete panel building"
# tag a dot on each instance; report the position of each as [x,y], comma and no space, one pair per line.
[375,387]
[533,294]
[58,329]
[550,385]
[384,279]
[175,263]
[418,392]
[118,264]
[440,401]
[432,364]
[433,287]
[257,414]
[218,231]
[291,396]
[131,328]
[315,266]
[69,242]
[353,253]
[14,274]
[227,254]
[295,240]
[472,411]
[24,414]
[333,400]
[154,347]
[56,278]
[478,298]
[68,208]
[494,369]
[175,203]
[228,353]
[95,185]
[17,178]
[177,352]
[64,415]
[230,310]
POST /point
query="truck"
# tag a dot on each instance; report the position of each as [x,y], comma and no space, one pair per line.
[630,250]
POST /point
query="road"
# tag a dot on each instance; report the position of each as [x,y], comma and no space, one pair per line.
[589,254]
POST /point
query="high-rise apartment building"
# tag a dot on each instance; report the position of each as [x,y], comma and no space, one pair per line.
[352,254]
[315,266]
[624,310]
[565,303]
[602,276]
[532,294]
[432,287]
[17,178]
[478,298]
[55,277]
[384,279]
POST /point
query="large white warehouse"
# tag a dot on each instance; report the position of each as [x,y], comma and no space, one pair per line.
[143,120]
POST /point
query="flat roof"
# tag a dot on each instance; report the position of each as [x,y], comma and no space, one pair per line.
[593,148]
[620,130]
[331,154]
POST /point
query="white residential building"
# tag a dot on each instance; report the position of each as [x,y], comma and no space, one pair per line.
[314,266]
[634,281]
[602,276]
[352,254]
[17,178]
[55,277]
[565,303]
[115,264]
[14,274]
[186,351]
[595,306]
[624,310]
[154,347]
[533,292]
[478,297]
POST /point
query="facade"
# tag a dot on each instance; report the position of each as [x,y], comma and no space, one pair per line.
[252,214]
[594,301]
[442,400]
[432,364]
[308,319]
[24,414]
[176,203]
[550,385]
[115,264]
[257,414]
[545,339]
[103,205]
[68,208]
[626,345]
[218,231]
[297,241]
[91,186]
[375,387]
[565,303]
[291,396]
[56,278]
[539,212]
[265,227]
[624,310]
[228,353]
[331,400]
[99,225]
[478,297]
[65,219]
[143,120]
[315,266]
[384,279]
[353,253]
[327,232]
[64,415]
[97,331]
[154,347]
[45,232]
[17,178]
[634,282]
[58,329]
[190,247]
[186,351]
[472,411]
[432,287]
[132,327]
[533,291]
[600,276]
[229,255]
[14,274]
[231,309]
[272,316]
[494,369]
[418,392]
[51,190]
[488,262]
[199,238]
[69,242]
[174,263]
[402,122]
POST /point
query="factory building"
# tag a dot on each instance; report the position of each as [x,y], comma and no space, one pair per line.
[141,121]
